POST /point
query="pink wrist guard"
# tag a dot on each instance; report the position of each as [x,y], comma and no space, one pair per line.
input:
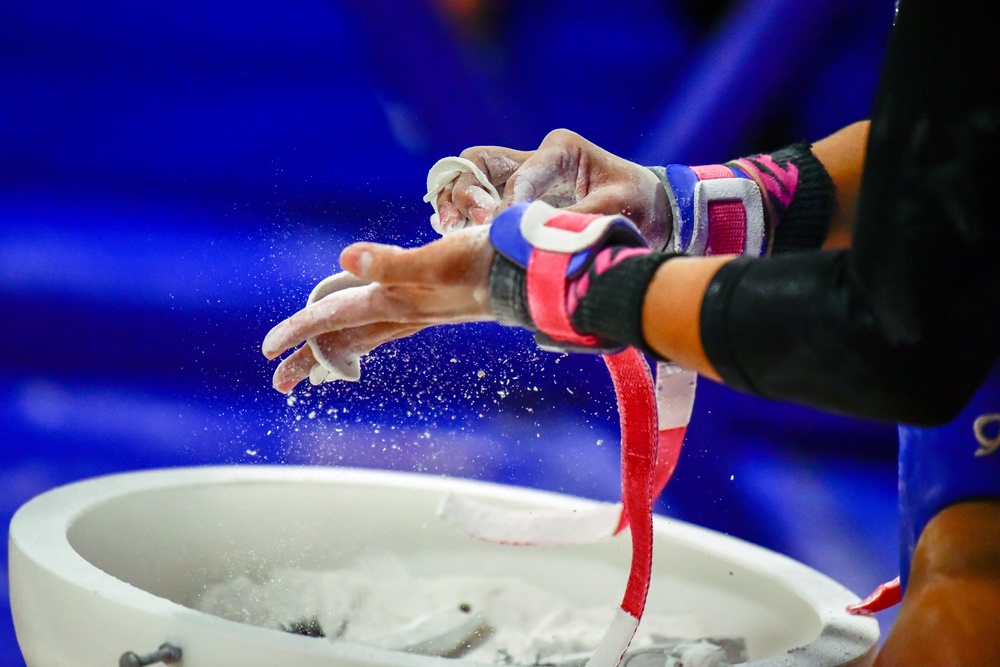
[717,210]
[750,206]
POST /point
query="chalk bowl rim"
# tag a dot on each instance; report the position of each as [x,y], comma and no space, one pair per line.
[39,540]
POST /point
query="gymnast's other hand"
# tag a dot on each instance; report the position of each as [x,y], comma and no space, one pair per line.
[566,171]
[443,282]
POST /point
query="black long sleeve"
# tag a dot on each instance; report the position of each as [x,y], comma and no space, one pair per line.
[905,324]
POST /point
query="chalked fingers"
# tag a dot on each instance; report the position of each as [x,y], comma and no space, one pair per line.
[340,346]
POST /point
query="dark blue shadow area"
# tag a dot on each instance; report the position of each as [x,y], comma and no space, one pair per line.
[174,178]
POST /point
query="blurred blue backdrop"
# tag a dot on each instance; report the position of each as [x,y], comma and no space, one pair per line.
[175,176]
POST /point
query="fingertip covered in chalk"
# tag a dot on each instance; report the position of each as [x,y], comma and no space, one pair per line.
[270,346]
[282,384]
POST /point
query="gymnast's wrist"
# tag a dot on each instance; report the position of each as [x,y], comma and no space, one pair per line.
[613,306]
[610,309]
[509,293]
[662,216]
[776,202]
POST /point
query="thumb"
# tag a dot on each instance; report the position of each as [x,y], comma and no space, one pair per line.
[607,200]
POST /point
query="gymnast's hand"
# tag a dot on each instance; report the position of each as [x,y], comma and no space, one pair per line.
[566,171]
[444,282]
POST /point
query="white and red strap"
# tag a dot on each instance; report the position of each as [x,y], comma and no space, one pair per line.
[674,400]
[554,243]
[649,454]
[886,595]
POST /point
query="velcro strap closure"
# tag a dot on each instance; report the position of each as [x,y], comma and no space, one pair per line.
[525,227]
[717,210]
[555,236]
[554,247]
[547,286]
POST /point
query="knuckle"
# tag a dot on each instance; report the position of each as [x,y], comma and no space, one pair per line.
[463,183]
[477,154]
[499,168]
[446,195]
[491,160]
[397,302]
[562,137]
[469,192]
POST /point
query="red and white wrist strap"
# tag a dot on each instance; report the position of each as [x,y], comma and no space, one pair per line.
[554,246]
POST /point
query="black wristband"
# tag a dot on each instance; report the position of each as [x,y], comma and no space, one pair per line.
[509,293]
[612,307]
[804,223]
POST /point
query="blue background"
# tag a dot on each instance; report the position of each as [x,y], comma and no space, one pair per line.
[175,176]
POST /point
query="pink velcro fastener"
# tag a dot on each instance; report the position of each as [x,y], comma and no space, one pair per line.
[727,219]
[547,288]
[547,285]
[780,182]
[709,171]
[729,216]
[727,228]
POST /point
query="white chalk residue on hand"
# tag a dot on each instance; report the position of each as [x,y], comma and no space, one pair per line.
[328,369]
[443,174]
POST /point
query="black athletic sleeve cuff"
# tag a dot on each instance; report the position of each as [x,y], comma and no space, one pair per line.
[612,307]
[802,327]
[806,222]
[714,323]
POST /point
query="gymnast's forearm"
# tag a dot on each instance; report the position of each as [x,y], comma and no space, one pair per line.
[842,154]
[839,330]
[903,325]
[803,328]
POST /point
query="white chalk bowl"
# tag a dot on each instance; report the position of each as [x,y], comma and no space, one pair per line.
[113,564]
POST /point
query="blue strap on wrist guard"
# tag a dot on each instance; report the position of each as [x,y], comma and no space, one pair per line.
[541,251]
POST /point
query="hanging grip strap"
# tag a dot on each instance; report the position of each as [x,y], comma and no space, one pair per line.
[554,248]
